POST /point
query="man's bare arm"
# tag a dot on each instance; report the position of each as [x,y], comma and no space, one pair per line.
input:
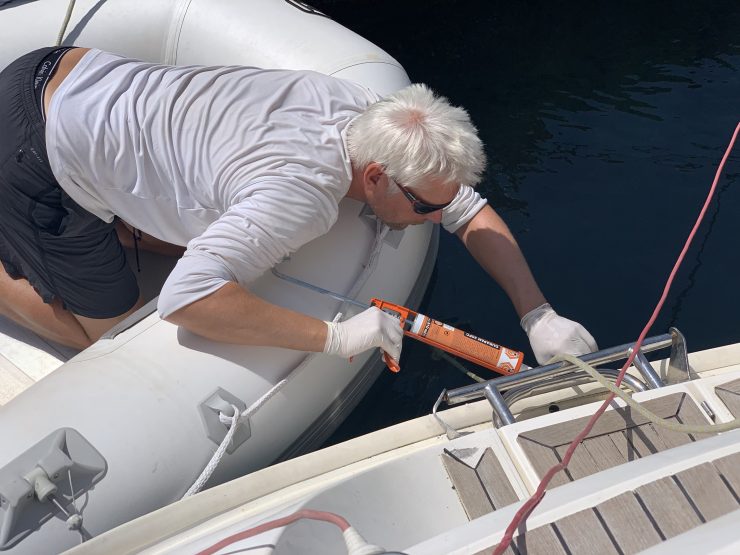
[234,315]
[493,246]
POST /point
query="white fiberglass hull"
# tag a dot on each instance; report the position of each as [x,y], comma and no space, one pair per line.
[412,489]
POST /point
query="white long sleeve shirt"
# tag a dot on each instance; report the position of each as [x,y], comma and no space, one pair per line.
[242,165]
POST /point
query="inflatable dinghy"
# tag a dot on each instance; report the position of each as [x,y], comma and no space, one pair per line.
[126,426]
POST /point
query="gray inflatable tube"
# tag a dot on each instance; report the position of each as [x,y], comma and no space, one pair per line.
[126,426]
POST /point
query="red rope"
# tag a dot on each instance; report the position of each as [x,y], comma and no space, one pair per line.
[525,510]
[277,523]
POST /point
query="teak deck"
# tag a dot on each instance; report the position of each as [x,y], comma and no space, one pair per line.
[630,522]
[729,393]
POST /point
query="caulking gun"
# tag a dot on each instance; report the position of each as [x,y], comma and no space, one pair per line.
[433,332]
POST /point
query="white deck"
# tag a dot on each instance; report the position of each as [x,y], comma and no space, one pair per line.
[25,358]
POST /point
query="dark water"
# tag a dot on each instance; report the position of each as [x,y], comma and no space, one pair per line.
[604,123]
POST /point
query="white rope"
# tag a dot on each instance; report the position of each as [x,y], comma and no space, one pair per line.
[217,456]
[234,420]
[654,418]
[67,17]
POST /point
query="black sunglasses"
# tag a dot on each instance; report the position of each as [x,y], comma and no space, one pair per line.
[419,206]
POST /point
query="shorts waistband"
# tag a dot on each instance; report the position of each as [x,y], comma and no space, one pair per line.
[22,74]
[44,72]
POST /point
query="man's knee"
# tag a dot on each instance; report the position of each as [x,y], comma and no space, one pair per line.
[20,303]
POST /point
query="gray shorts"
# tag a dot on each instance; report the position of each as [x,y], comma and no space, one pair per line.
[63,251]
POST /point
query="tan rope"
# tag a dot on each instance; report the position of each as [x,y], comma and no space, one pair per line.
[67,17]
[654,418]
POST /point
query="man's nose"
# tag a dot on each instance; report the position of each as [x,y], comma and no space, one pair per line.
[435,217]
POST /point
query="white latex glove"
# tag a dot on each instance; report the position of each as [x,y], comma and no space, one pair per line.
[371,328]
[550,334]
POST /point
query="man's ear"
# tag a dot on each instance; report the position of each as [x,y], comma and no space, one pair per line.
[374,180]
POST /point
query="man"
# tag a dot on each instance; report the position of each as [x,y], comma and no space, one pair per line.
[243,166]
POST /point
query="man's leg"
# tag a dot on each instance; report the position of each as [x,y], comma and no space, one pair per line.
[96,327]
[20,302]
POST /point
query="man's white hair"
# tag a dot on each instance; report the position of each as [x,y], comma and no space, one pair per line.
[417,136]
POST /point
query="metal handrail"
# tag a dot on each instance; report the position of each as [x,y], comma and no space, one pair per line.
[564,373]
